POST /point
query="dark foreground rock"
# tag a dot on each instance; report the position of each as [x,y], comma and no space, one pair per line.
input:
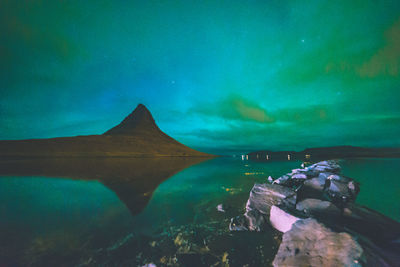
[208,244]
[314,208]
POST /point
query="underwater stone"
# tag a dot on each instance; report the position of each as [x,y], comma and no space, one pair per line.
[239,223]
[220,208]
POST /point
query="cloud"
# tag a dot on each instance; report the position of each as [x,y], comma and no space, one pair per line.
[386,60]
[249,111]
[306,115]
[235,107]
[238,108]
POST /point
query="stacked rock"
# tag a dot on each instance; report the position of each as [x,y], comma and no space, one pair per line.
[316,189]
[318,201]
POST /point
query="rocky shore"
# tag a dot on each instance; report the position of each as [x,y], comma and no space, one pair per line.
[314,207]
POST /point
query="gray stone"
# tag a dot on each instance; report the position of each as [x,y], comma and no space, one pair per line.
[309,243]
[339,178]
[263,196]
[354,189]
[316,183]
[311,206]
[282,180]
[299,176]
[326,166]
[339,192]
[325,175]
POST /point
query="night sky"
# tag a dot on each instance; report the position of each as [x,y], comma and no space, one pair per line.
[217,75]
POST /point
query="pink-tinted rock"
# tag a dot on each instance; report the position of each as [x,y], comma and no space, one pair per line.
[309,243]
[281,220]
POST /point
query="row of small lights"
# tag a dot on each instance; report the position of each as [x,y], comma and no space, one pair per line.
[267,157]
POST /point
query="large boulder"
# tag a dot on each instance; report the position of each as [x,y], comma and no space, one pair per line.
[264,196]
[309,243]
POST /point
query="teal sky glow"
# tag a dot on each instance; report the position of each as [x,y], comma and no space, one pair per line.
[217,75]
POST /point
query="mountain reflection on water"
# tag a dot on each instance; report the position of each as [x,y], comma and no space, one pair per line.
[58,210]
[132,179]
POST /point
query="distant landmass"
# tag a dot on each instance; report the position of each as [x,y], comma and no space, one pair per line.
[136,136]
[326,153]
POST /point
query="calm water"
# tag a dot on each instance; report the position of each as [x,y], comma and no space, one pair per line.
[99,217]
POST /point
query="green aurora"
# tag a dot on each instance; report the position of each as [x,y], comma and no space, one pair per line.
[219,76]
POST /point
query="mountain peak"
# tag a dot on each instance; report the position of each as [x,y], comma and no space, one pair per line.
[140,120]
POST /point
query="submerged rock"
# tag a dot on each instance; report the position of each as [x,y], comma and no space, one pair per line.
[281,220]
[239,223]
[309,243]
[256,221]
[220,208]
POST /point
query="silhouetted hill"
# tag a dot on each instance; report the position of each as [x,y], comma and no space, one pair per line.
[327,153]
[136,136]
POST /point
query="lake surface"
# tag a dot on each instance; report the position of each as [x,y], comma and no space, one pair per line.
[133,212]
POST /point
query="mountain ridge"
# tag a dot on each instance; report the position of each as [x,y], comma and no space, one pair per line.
[139,120]
[136,136]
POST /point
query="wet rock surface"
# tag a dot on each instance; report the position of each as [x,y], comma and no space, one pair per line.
[314,208]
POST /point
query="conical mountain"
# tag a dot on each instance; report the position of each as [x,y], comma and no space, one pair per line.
[140,120]
[136,136]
